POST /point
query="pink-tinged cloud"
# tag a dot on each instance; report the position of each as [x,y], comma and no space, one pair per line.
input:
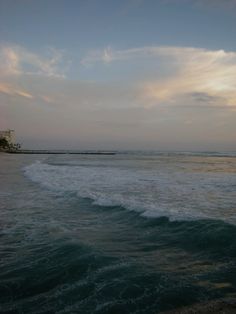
[47,99]
[194,71]
[15,59]
[16,62]
[82,114]
[210,73]
[11,90]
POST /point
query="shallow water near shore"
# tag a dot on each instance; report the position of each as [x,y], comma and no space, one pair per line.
[129,233]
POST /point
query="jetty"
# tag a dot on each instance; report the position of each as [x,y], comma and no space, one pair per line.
[8,145]
[58,152]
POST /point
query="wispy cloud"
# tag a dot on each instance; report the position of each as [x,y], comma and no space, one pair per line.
[116,110]
[210,73]
[15,59]
[14,91]
[105,56]
[196,71]
[109,55]
[199,75]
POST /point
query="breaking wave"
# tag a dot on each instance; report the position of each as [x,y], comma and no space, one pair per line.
[154,191]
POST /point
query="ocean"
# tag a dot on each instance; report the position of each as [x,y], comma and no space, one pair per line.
[135,232]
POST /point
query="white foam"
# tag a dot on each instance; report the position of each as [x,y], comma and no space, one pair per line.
[154,191]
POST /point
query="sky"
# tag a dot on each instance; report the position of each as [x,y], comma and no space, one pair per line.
[119,75]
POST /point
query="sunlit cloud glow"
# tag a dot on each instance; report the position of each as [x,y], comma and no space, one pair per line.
[12,90]
[212,73]
[16,62]
[196,71]
[126,74]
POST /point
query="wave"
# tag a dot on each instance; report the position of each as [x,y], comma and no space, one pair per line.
[153,192]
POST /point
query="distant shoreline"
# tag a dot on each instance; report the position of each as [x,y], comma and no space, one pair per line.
[55,152]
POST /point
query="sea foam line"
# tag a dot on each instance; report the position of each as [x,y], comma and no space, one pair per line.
[152,193]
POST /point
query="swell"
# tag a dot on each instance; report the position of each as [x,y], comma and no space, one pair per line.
[66,276]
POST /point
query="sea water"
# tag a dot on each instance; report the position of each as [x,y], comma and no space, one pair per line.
[135,232]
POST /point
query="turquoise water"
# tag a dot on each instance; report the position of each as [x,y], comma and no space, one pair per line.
[130,233]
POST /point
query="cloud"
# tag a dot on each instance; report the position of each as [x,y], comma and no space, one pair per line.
[205,98]
[109,55]
[188,75]
[15,60]
[194,71]
[12,90]
[113,113]
[106,56]
[200,72]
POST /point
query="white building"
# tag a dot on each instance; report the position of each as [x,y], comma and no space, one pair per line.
[9,135]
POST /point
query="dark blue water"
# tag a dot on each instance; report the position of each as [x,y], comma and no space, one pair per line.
[96,239]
